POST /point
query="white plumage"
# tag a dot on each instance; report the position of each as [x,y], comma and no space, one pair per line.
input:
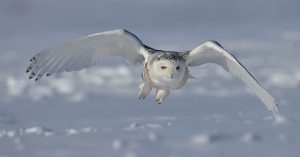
[86,52]
[211,52]
[163,70]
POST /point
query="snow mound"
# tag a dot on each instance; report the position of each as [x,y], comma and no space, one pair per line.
[151,126]
[250,137]
[117,144]
[201,139]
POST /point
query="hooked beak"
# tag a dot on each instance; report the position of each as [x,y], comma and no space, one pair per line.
[171,74]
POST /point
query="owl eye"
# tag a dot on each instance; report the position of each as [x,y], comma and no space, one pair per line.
[177,68]
[163,67]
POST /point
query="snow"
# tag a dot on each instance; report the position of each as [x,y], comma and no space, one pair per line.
[170,129]
[117,144]
[201,139]
[96,112]
[284,79]
[250,137]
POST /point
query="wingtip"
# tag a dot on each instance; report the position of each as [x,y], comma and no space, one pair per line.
[274,111]
[272,107]
[28,69]
[275,102]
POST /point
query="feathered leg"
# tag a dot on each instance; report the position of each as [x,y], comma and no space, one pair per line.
[161,94]
[145,89]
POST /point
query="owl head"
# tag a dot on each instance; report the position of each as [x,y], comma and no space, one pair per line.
[168,67]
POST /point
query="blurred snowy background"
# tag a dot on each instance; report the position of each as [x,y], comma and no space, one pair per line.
[96,112]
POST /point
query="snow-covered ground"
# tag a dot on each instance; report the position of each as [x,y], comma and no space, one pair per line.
[96,112]
[79,115]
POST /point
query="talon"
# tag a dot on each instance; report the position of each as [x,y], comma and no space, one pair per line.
[145,89]
[161,94]
[159,102]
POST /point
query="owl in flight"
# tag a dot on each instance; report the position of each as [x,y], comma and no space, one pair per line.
[162,70]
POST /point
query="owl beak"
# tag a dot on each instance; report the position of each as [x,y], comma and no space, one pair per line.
[171,74]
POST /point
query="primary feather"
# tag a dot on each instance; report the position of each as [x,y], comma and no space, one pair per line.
[86,52]
[213,52]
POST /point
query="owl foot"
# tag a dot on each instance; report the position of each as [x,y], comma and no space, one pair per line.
[161,94]
[145,89]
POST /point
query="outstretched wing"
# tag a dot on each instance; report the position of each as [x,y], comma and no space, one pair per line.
[213,52]
[86,52]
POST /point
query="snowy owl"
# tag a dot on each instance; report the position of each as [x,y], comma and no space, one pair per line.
[162,70]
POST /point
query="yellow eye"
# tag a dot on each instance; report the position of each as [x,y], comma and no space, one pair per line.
[177,68]
[163,67]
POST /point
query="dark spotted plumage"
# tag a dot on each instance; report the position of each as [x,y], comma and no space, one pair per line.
[166,56]
[145,74]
